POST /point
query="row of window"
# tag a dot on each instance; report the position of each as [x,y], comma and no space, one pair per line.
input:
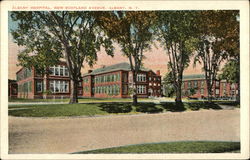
[57,86]
[114,89]
[110,89]
[25,87]
[154,78]
[23,74]
[107,78]
[59,71]
[155,84]
[85,80]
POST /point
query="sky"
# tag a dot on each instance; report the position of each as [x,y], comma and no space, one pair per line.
[155,59]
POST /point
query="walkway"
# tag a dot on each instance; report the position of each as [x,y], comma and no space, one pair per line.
[67,135]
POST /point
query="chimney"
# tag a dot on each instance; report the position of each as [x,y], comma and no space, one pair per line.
[89,71]
[158,73]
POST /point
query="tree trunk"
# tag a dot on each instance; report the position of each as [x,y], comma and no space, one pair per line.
[135,102]
[178,99]
[209,94]
[73,92]
[209,98]
[44,87]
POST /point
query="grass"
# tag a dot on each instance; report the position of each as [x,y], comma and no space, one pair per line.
[173,147]
[106,108]
[56,110]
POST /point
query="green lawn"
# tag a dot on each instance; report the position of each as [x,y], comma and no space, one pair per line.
[56,110]
[173,147]
[104,108]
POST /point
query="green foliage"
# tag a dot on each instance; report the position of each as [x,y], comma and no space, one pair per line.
[231,71]
[173,147]
[132,30]
[168,86]
[176,32]
[218,40]
[190,91]
[50,35]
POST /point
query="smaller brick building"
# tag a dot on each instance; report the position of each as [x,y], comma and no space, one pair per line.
[221,89]
[116,81]
[54,85]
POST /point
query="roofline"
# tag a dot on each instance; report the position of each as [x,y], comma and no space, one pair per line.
[89,74]
[19,70]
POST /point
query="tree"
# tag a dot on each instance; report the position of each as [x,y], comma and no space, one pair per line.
[176,33]
[49,35]
[168,85]
[217,41]
[231,73]
[132,30]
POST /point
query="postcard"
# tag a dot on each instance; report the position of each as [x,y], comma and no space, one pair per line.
[124,79]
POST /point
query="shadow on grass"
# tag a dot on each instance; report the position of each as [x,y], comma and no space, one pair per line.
[148,108]
[173,107]
[128,107]
[202,105]
[194,106]
[116,107]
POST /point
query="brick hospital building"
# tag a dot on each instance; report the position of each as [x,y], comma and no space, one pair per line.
[220,88]
[55,85]
[111,81]
[116,81]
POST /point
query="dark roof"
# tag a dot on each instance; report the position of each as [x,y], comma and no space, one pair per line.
[193,76]
[116,67]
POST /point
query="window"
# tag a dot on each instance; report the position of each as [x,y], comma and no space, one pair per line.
[217,83]
[141,77]
[79,91]
[182,85]
[149,78]
[202,91]
[202,83]
[62,70]
[124,77]
[85,80]
[39,86]
[79,84]
[124,89]
[217,91]
[118,77]
[57,86]
[189,84]
[232,86]
[86,89]
[66,72]
[195,84]
[141,89]
[59,71]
